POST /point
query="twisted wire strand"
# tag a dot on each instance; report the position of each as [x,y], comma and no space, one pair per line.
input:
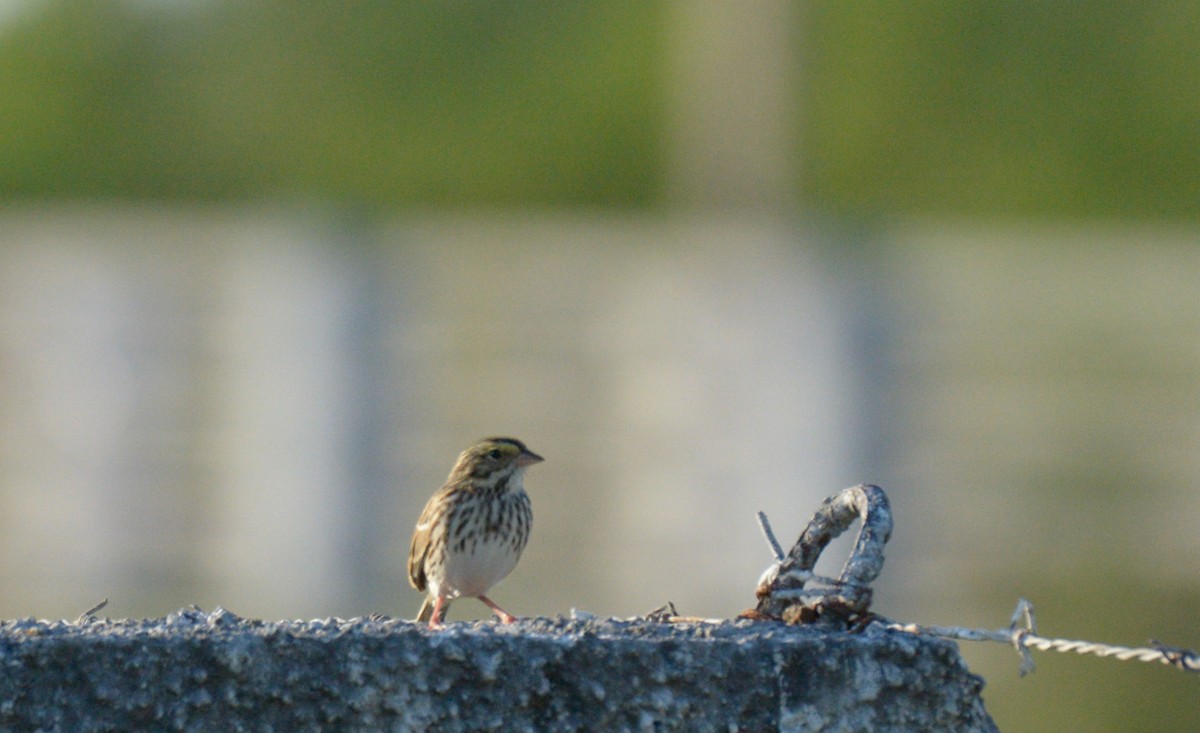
[1184,659]
[850,593]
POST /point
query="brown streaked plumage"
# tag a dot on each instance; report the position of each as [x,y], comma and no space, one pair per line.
[473,530]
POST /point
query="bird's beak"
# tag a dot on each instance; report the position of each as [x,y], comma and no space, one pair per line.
[528,458]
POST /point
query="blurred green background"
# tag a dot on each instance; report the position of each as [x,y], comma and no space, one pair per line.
[980,109]
[996,200]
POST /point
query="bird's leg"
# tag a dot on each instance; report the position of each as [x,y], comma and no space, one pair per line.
[505,616]
[440,606]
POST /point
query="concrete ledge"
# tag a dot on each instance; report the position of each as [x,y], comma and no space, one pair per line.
[196,671]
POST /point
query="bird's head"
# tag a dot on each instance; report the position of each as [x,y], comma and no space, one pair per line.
[491,459]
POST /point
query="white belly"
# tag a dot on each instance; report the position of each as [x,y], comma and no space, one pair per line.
[473,574]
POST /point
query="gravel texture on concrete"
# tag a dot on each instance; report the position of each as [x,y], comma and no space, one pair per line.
[198,671]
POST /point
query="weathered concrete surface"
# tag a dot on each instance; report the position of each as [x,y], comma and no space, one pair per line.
[196,671]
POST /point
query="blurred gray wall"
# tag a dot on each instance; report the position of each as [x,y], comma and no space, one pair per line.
[249,409]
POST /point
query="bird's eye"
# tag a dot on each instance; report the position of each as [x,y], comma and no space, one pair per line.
[494,454]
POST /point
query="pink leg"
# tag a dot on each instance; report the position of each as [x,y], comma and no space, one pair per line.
[439,613]
[505,616]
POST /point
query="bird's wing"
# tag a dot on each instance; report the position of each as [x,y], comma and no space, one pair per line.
[420,548]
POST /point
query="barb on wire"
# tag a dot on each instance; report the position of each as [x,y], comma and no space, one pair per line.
[765,525]
[91,611]
[1022,634]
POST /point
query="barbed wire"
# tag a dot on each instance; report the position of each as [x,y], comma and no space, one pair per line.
[1021,633]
